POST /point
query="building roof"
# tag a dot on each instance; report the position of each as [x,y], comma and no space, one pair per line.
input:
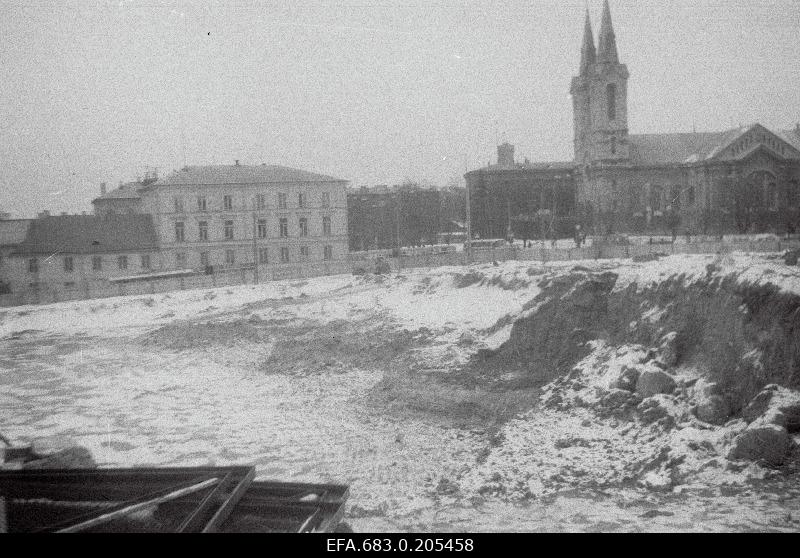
[654,149]
[128,191]
[13,231]
[658,149]
[241,174]
[523,167]
[791,137]
[86,234]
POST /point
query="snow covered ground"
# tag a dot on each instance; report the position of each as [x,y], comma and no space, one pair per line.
[282,376]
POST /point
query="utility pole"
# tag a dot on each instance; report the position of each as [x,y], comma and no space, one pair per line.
[397,221]
[255,249]
[468,245]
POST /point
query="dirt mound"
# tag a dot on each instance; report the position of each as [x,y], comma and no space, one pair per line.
[184,336]
[739,336]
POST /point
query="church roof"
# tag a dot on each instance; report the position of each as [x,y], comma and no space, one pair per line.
[654,149]
[659,149]
[588,52]
[792,137]
[607,42]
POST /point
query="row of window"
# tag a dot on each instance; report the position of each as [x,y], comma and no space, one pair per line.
[260,202]
[261,229]
[97,263]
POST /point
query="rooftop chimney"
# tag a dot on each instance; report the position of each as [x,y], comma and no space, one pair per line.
[237,162]
[102,188]
[505,155]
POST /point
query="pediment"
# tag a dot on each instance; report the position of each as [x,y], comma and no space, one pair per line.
[754,140]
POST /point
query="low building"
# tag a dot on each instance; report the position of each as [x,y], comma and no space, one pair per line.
[522,199]
[12,234]
[79,254]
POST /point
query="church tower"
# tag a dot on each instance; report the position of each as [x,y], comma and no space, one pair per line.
[600,98]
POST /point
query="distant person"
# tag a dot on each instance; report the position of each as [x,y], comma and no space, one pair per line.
[578,237]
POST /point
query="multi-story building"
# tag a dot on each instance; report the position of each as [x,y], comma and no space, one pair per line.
[401,216]
[233,216]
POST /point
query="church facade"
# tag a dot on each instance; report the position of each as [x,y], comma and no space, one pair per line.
[740,180]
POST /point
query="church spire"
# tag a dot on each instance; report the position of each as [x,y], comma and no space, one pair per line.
[607,43]
[588,53]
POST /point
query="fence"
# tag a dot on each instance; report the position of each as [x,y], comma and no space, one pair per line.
[364,262]
[227,278]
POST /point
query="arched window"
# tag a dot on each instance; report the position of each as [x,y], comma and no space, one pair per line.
[655,198]
[611,97]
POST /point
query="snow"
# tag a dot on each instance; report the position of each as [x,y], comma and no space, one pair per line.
[80,370]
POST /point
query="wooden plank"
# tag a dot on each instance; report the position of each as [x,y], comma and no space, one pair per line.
[105,518]
[227,507]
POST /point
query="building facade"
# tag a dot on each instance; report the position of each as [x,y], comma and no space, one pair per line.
[77,254]
[745,179]
[234,216]
[383,218]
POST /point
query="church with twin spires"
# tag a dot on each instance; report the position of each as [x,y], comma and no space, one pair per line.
[745,179]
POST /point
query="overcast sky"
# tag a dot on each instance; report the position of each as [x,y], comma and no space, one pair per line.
[372,92]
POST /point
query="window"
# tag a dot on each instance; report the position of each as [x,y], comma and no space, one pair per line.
[228,230]
[122,262]
[201,203]
[33,265]
[97,263]
[303,226]
[613,145]
[284,227]
[328,254]
[263,255]
[611,95]
[262,228]
[772,197]
[690,196]
[204,259]
[178,204]
[261,202]
[655,198]
[69,264]
[301,200]
[227,202]
[326,226]
[145,261]
[281,201]
[230,257]
[179,233]
[326,199]
[304,252]
[284,254]
[180,259]
[203,230]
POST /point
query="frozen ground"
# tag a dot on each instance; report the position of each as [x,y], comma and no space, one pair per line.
[284,376]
